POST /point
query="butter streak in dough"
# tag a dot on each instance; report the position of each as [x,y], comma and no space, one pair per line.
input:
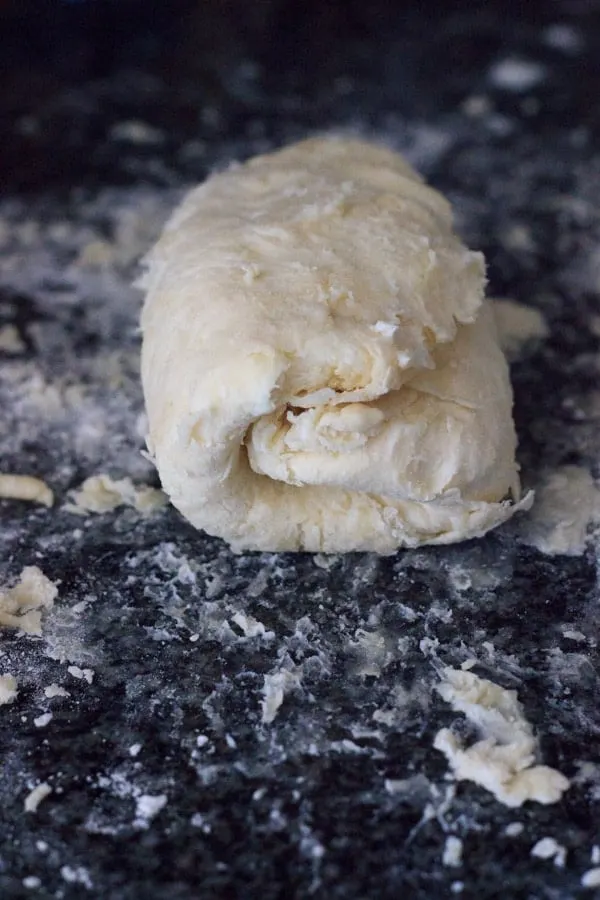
[321,370]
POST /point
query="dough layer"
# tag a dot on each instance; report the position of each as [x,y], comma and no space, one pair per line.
[321,370]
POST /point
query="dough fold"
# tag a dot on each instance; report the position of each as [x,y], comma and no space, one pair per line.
[321,370]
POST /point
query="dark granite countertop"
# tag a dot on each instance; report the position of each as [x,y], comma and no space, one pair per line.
[168,780]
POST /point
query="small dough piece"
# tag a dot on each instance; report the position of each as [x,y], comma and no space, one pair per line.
[503,761]
[25,487]
[21,606]
[8,689]
[101,494]
[321,370]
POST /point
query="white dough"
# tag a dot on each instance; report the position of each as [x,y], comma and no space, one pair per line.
[320,368]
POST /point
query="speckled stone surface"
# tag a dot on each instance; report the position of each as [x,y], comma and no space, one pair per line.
[168,779]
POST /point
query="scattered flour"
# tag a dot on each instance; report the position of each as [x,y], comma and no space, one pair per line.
[566,509]
[25,487]
[503,760]
[8,689]
[21,605]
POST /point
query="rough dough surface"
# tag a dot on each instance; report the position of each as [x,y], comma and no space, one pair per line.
[321,370]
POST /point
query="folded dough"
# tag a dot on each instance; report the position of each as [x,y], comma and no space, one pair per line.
[321,370]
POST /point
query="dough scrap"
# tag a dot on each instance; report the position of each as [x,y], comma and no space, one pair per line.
[35,796]
[25,487]
[567,513]
[518,325]
[8,689]
[21,606]
[320,368]
[101,494]
[503,761]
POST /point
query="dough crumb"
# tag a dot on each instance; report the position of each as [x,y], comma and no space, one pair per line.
[548,848]
[452,855]
[21,605]
[591,878]
[516,74]
[10,340]
[42,721]
[55,690]
[25,487]
[77,875]
[275,687]
[147,807]
[502,761]
[101,494]
[8,689]
[35,797]
[566,510]
[85,674]
[518,325]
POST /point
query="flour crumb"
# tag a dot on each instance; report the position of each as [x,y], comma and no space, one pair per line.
[43,720]
[249,625]
[503,760]
[591,878]
[514,829]
[77,875]
[102,494]
[147,807]
[452,855]
[595,855]
[10,340]
[35,797]
[32,881]
[25,487]
[85,674]
[516,75]
[8,689]
[21,605]
[276,686]
[55,690]
[566,509]
[518,325]
[548,848]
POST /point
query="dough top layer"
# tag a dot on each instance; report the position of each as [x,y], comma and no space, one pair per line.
[320,369]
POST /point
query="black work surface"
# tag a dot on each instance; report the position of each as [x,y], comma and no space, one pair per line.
[166,780]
